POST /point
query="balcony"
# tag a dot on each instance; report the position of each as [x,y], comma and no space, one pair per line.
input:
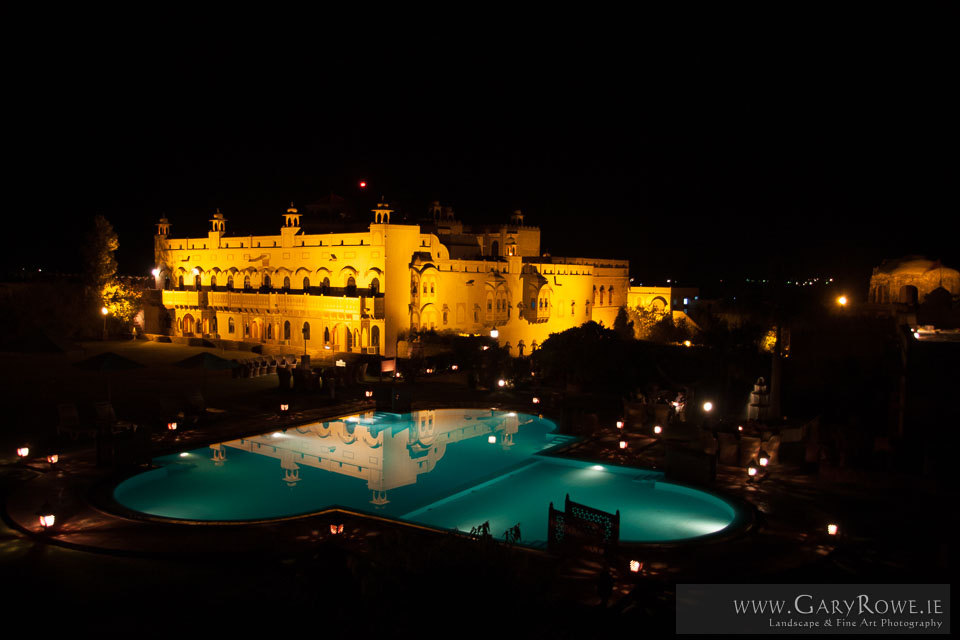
[173,299]
[285,303]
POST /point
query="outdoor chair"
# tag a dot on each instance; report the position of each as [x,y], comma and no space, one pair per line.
[196,407]
[70,424]
[107,421]
[772,447]
[749,450]
[729,449]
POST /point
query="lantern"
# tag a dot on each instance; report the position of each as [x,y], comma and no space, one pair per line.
[23,452]
[635,566]
[619,424]
[336,529]
[753,469]
[501,382]
[832,529]
[453,367]
[708,406]
[368,393]
[658,429]
[284,408]
[171,426]
[623,444]
[492,439]
[764,458]
[47,520]
[53,459]
[536,400]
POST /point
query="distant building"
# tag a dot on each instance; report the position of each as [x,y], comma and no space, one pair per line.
[663,299]
[910,280]
[356,290]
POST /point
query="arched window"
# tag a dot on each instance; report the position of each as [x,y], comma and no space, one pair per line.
[356,337]
[229,282]
[325,286]
[246,328]
[306,284]
[489,305]
[246,283]
[306,330]
[351,286]
[196,282]
[326,335]
[286,283]
[231,326]
[424,287]
[431,289]
[213,325]
[495,248]
[180,325]
[266,281]
[286,330]
[349,340]
[573,307]
[375,337]
[445,314]
[374,286]
[213,282]
[610,295]
[269,331]
[180,283]
[166,282]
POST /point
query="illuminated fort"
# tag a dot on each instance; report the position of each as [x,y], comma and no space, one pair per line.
[359,291]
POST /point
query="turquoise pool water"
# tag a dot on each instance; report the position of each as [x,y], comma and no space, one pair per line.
[449,468]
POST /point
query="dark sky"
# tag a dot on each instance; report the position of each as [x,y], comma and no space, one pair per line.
[719,162]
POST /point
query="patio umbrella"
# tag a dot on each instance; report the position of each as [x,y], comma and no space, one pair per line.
[206,361]
[107,362]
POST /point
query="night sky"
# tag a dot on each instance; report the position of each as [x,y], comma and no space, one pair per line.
[719,163]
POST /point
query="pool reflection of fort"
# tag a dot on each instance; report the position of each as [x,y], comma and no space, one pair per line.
[386,452]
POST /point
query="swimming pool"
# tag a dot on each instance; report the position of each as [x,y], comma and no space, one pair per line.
[447,468]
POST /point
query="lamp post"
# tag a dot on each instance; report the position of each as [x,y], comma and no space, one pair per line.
[104,311]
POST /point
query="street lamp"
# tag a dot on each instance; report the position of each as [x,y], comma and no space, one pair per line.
[104,311]
[842,301]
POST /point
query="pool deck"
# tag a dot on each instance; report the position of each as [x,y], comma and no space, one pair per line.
[786,543]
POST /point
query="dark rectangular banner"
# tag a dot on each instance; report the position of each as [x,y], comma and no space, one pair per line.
[813,608]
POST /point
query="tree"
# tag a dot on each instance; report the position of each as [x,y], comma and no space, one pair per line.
[121,300]
[623,325]
[100,265]
[644,320]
